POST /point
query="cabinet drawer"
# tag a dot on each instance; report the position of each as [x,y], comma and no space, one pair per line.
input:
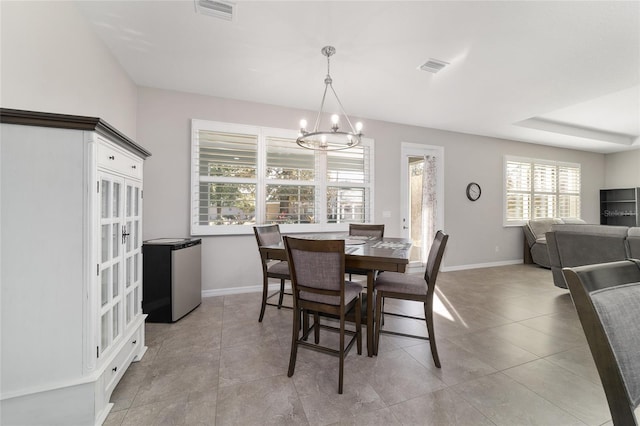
[114,372]
[115,159]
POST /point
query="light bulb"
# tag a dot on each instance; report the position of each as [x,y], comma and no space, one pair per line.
[323,141]
[335,118]
[303,124]
[358,126]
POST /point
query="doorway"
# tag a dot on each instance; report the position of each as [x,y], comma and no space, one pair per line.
[422,189]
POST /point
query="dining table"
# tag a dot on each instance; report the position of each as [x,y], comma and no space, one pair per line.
[370,254]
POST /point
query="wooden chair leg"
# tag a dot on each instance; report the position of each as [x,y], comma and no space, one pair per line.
[265,290]
[341,372]
[359,326]
[294,341]
[305,323]
[428,315]
[281,293]
[316,327]
[376,337]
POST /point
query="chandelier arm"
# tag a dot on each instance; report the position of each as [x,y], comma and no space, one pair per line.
[353,130]
[324,95]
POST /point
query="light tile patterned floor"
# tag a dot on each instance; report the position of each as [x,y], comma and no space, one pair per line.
[511,346]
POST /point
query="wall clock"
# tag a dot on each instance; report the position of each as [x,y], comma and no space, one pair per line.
[473,191]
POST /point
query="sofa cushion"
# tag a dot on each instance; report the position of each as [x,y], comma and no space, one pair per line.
[572,245]
[572,220]
[541,226]
[585,248]
[613,231]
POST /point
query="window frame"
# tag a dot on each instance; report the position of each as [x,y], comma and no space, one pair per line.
[533,162]
[320,184]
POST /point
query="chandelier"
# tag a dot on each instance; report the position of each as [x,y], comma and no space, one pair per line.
[332,139]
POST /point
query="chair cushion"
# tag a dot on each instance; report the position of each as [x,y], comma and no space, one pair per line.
[402,283]
[351,291]
[619,311]
[280,268]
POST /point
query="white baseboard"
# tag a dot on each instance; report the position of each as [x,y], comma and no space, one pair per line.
[410,270]
[241,290]
[481,265]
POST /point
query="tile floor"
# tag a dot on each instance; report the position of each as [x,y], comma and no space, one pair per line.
[511,346]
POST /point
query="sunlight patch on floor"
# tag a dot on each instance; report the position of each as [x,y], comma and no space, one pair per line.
[445,309]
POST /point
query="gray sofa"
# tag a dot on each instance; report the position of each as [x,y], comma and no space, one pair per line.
[633,242]
[535,241]
[572,245]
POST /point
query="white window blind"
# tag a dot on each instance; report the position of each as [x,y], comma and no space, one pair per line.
[348,185]
[247,175]
[226,186]
[540,189]
[290,189]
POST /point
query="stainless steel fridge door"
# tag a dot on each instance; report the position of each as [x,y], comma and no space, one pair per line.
[186,284]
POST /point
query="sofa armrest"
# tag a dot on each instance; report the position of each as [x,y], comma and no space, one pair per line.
[633,242]
[529,237]
[554,260]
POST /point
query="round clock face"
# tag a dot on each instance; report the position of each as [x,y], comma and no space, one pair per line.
[473,191]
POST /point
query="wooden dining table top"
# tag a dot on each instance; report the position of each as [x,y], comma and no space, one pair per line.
[381,254]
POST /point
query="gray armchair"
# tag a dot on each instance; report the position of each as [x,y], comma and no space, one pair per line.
[536,242]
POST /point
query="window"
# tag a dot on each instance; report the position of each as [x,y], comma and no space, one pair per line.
[246,175]
[538,188]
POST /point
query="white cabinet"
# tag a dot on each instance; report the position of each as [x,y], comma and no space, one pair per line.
[71,266]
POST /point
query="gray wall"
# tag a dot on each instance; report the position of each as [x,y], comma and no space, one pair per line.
[623,169]
[232,261]
[52,62]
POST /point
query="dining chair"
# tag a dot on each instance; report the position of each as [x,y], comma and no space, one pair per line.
[401,286]
[319,287]
[607,299]
[268,235]
[363,230]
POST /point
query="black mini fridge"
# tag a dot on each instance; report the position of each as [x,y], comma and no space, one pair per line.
[171,280]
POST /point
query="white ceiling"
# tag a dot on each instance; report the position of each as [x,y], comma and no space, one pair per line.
[556,73]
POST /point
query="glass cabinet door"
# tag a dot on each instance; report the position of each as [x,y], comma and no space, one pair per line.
[110,268]
[133,250]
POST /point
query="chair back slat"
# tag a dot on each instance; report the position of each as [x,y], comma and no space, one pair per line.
[267,235]
[366,230]
[435,258]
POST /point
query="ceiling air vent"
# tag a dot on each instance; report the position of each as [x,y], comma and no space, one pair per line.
[216,8]
[433,65]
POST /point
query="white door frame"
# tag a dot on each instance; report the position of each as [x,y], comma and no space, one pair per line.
[409,149]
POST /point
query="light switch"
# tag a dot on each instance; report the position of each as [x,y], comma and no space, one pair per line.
[386,214]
